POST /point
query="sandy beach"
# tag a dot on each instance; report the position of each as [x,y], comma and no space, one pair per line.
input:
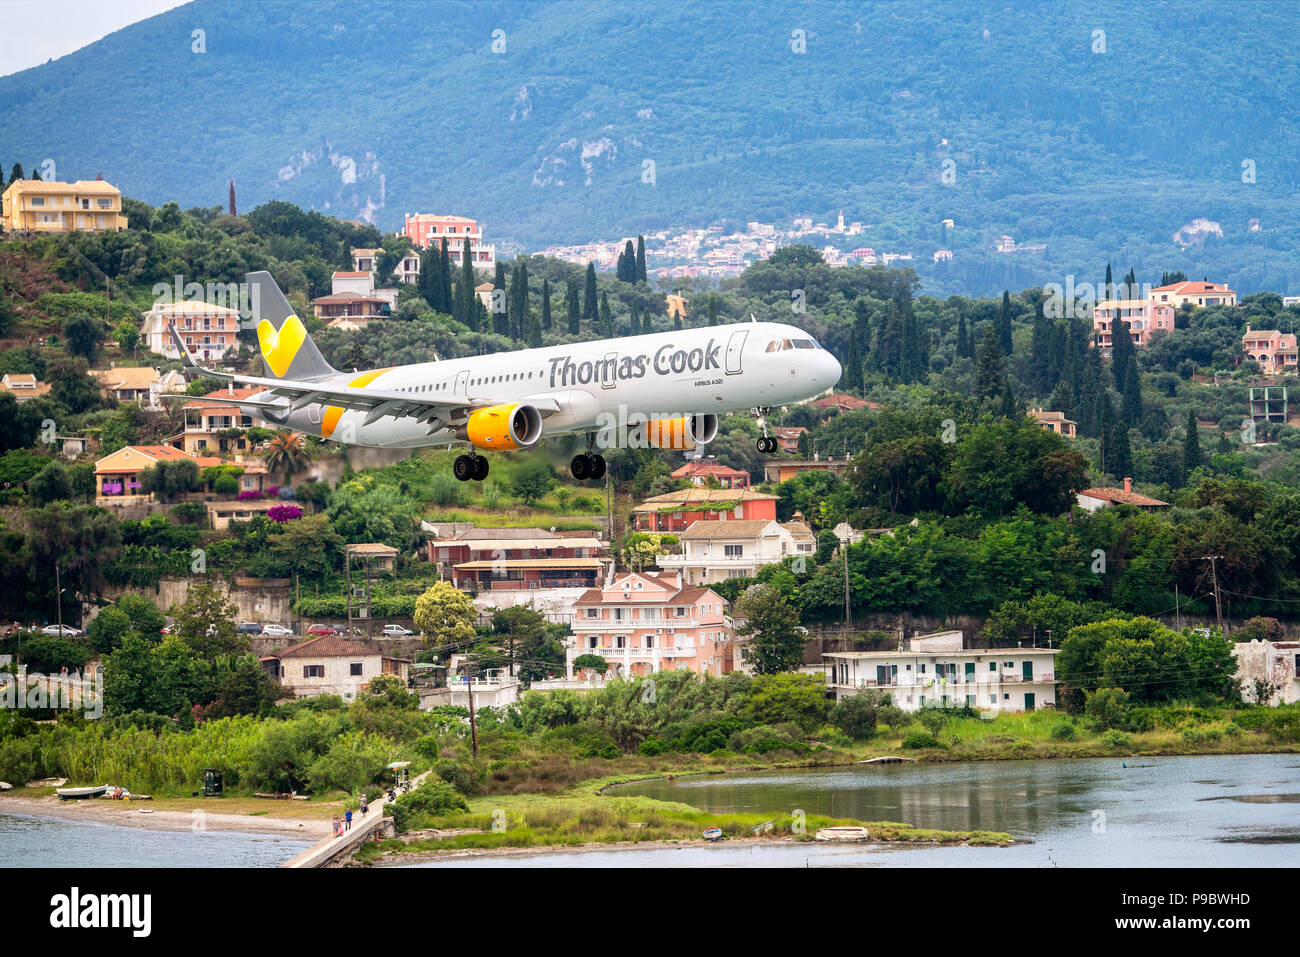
[169,818]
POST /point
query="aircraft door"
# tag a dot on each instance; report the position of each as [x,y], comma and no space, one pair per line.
[609,370]
[462,383]
[735,346]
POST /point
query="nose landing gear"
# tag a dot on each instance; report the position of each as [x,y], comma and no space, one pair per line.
[766,444]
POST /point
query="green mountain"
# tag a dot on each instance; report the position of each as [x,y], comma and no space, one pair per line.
[1096,132]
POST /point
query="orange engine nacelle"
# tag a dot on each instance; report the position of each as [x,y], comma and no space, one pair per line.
[682,434]
[504,427]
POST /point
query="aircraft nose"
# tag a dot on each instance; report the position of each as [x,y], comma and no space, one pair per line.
[832,370]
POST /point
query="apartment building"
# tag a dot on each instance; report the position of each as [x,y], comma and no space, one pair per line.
[1196,293]
[714,551]
[1141,317]
[209,425]
[642,623]
[938,671]
[424,229]
[88,205]
[485,559]
[209,331]
[1275,351]
[676,511]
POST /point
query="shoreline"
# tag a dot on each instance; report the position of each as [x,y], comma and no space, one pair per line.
[120,814]
[408,858]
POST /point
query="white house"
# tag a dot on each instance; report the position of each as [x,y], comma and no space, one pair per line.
[937,671]
[333,665]
[1274,662]
[713,551]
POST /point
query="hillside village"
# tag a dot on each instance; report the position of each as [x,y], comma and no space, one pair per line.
[987,487]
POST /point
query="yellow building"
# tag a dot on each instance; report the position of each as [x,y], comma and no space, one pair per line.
[89,205]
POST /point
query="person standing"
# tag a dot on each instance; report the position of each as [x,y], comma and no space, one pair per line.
[348,818]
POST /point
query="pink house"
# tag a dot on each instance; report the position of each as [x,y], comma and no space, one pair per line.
[1140,316]
[642,623]
[1274,351]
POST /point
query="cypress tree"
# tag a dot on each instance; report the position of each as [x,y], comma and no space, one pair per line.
[606,317]
[546,304]
[962,351]
[500,302]
[429,284]
[1131,406]
[589,302]
[626,271]
[1108,291]
[636,321]
[1121,351]
[572,307]
[1122,453]
[713,309]
[640,259]
[466,311]
[1106,432]
[445,275]
[1191,446]
[16,173]
[852,364]
[36,173]
[1008,408]
[522,311]
[990,374]
[1004,323]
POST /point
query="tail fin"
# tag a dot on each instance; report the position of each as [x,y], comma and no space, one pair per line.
[287,350]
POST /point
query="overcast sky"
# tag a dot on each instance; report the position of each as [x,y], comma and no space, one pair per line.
[38,30]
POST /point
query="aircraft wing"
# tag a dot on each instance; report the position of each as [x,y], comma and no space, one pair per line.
[289,395]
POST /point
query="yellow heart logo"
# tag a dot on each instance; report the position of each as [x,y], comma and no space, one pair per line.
[279,348]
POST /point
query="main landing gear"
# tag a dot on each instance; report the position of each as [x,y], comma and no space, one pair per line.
[766,443]
[472,466]
[586,465]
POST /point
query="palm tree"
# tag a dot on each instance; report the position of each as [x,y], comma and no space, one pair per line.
[286,452]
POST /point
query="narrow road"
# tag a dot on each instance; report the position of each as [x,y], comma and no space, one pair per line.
[329,848]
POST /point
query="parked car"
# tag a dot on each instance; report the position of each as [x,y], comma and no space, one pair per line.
[317,631]
[249,628]
[67,631]
[396,631]
[278,631]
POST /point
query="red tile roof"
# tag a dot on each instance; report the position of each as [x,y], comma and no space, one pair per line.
[1120,497]
[327,646]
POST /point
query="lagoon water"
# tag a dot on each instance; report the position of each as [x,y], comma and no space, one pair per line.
[49,842]
[1213,811]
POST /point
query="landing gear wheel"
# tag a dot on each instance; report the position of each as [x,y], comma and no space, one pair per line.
[581,467]
[598,466]
[766,445]
[463,468]
[480,468]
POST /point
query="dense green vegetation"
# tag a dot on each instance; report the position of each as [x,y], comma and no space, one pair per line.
[853,106]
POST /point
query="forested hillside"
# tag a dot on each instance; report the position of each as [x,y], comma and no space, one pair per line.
[1005,117]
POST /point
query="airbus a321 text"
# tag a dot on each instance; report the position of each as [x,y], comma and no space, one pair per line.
[662,390]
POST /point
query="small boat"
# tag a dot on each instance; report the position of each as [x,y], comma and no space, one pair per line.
[713,833]
[888,759]
[841,834]
[76,794]
[765,828]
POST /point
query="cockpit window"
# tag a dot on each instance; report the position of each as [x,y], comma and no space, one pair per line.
[779,345]
[805,344]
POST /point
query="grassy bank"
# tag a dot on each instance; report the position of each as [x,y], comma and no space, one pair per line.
[581,818]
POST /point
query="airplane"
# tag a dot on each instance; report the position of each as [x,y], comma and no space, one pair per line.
[661,390]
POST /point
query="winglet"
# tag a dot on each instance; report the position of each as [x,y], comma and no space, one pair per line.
[753,318]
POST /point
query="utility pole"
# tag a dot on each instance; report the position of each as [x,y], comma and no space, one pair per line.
[848,613]
[1214,577]
[58,600]
[347,589]
[369,617]
[469,689]
[1178,615]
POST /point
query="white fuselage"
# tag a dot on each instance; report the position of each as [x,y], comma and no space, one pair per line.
[580,386]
